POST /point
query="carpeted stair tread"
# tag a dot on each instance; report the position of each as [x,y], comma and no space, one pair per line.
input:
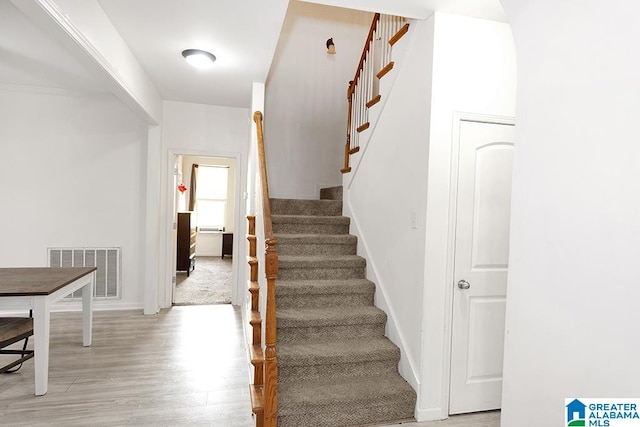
[344,239]
[329,316]
[316,244]
[321,287]
[321,261]
[337,351]
[323,293]
[305,207]
[306,224]
[310,219]
[360,389]
[358,400]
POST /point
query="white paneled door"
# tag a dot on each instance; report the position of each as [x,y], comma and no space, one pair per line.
[481,263]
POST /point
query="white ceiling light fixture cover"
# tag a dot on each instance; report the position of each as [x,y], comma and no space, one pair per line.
[200,59]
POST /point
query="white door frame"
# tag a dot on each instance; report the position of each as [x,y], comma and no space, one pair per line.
[458,117]
[170,243]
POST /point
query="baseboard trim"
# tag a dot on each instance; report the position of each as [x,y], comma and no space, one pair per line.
[431,414]
[70,306]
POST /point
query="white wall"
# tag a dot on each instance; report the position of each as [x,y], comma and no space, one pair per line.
[73,176]
[474,72]
[201,130]
[105,46]
[387,187]
[257,104]
[306,102]
[452,64]
[210,244]
[152,235]
[86,31]
[572,305]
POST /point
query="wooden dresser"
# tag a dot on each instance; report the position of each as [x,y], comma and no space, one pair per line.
[227,244]
[186,248]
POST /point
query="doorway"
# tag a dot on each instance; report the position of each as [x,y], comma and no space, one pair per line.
[483,201]
[204,218]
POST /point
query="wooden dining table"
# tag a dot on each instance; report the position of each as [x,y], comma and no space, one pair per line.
[37,288]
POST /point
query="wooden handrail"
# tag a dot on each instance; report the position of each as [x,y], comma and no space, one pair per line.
[352,88]
[365,51]
[363,91]
[270,380]
[262,165]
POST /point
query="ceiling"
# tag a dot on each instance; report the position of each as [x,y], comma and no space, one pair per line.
[243,34]
[420,9]
[31,59]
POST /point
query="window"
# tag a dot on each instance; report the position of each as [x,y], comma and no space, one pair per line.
[211,197]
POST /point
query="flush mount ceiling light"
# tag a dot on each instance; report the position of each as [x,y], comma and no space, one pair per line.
[200,59]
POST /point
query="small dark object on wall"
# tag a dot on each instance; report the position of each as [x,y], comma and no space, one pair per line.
[331,48]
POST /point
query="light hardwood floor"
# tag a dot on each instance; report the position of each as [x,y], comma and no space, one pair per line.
[183,367]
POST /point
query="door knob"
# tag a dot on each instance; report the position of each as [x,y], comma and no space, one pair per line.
[463,284]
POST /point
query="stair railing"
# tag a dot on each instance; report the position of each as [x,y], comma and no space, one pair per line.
[264,391]
[363,91]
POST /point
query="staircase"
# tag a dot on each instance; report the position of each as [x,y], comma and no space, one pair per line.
[335,366]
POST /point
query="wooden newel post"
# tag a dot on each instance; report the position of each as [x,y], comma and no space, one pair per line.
[270,359]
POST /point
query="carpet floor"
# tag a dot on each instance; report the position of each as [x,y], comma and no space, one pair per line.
[209,283]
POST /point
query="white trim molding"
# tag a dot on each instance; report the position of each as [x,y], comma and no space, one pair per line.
[168,245]
[458,118]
